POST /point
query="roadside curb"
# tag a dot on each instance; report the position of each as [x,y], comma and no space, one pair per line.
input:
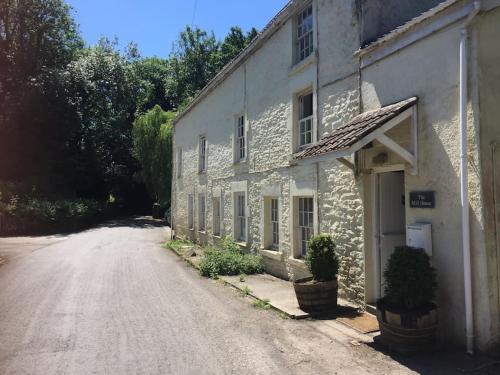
[234,286]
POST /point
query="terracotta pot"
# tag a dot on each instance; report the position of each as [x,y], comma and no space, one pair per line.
[316,297]
[407,332]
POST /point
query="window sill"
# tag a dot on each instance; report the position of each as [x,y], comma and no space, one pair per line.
[303,64]
[271,254]
[243,245]
[216,236]
[191,229]
[202,232]
[239,162]
[297,262]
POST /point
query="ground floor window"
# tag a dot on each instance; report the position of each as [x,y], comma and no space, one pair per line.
[241,223]
[216,216]
[201,212]
[275,234]
[306,221]
[190,211]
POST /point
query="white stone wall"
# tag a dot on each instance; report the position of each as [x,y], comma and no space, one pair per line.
[264,88]
[429,69]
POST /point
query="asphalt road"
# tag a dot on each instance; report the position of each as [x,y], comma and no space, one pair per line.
[111,300]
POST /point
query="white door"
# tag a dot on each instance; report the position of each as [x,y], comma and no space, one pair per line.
[392,221]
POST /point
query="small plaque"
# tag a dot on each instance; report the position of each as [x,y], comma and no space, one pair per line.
[422,199]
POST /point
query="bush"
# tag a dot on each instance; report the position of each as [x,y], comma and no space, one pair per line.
[410,280]
[321,258]
[227,259]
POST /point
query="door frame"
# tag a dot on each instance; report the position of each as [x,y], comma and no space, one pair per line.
[375,211]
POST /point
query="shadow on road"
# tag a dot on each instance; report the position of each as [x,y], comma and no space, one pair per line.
[134,222]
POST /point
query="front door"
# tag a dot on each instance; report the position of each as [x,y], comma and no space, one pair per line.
[391,220]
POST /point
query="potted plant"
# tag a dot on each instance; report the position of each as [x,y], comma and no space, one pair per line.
[318,293]
[406,314]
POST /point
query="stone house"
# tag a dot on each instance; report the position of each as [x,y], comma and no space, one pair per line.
[344,117]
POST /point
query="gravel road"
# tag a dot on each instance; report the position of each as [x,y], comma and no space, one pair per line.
[111,300]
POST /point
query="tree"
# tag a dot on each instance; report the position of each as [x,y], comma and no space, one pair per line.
[234,42]
[38,38]
[152,137]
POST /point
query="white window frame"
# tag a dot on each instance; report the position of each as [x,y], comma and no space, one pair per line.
[216,217]
[179,162]
[305,223]
[240,217]
[240,146]
[202,212]
[304,45]
[274,223]
[202,154]
[305,124]
[191,211]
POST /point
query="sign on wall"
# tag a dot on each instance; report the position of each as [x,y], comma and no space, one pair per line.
[422,199]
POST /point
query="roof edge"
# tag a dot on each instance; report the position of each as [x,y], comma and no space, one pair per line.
[272,26]
[407,27]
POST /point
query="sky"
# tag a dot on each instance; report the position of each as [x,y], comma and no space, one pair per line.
[155,24]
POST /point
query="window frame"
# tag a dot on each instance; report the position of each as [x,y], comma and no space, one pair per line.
[216,216]
[304,226]
[274,223]
[202,154]
[240,215]
[300,36]
[308,120]
[202,212]
[240,139]
[179,162]
[191,211]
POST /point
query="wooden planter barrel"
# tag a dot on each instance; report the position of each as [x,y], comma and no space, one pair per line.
[405,334]
[316,297]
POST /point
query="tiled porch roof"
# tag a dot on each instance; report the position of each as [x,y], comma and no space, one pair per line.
[360,126]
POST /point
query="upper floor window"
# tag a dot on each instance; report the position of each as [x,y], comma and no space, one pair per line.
[240,144]
[305,119]
[305,43]
[202,154]
[179,162]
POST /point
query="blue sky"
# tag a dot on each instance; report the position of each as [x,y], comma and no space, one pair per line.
[155,24]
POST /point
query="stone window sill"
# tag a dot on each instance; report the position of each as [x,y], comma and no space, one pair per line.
[297,262]
[243,245]
[272,254]
[302,65]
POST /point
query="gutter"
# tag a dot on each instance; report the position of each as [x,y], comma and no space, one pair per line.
[464,188]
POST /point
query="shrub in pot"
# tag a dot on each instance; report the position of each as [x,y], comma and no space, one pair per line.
[407,314]
[318,293]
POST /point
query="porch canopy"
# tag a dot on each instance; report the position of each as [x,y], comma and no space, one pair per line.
[345,140]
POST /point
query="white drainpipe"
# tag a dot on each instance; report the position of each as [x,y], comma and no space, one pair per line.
[469,317]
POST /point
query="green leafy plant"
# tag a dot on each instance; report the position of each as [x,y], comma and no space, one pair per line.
[410,280]
[226,258]
[245,291]
[262,304]
[178,244]
[321,258]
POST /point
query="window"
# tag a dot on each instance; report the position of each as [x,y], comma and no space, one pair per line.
[241,223]
[201,212]
[305,119]
[275,235]
[305,43]
[306,220]
[190,211]
[179,162]
[240,145]
[216,216]
[202,153]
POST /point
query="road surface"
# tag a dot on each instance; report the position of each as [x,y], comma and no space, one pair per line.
[111,300]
